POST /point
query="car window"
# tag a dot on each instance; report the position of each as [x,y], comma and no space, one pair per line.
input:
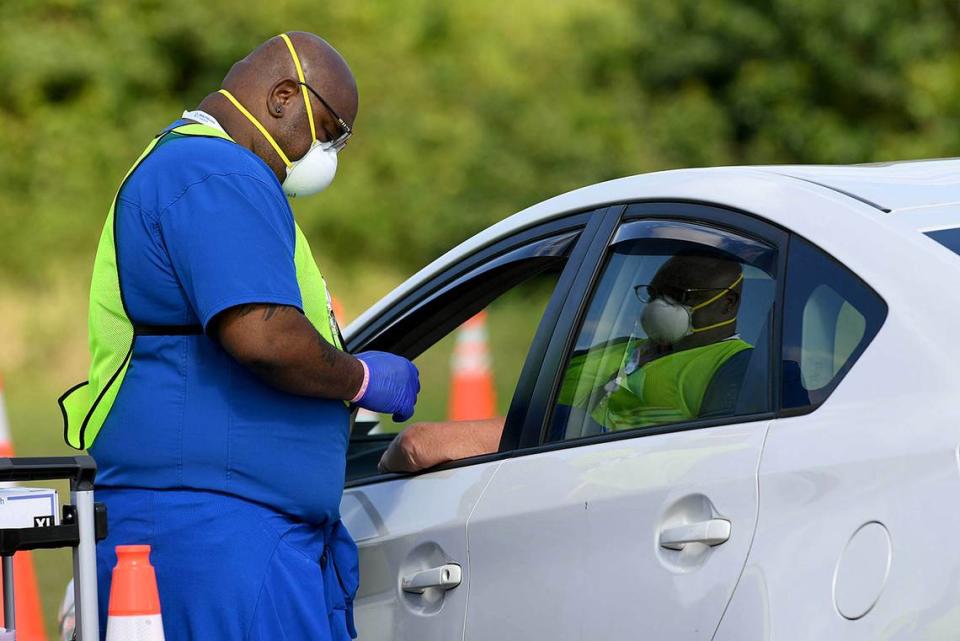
[678,328]
[830,316]
[476,329]
[471,373]
[949,238]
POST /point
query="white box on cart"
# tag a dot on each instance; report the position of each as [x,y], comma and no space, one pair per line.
[28,507]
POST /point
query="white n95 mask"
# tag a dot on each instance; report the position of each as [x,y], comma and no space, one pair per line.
[313,173]
[665,321]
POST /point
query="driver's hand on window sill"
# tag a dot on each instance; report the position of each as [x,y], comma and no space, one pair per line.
[425,445]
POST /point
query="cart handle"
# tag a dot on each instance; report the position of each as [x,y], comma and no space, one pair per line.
[80,470]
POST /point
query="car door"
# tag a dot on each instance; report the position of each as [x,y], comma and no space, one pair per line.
[633,525]
[411,530]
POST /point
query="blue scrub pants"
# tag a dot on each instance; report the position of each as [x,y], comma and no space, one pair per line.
[233,570]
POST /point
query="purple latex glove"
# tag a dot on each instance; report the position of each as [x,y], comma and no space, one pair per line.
[390,385]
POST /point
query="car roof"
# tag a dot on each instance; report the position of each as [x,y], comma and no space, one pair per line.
[885,188]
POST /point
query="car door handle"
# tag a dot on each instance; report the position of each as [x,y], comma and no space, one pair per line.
[446,577]
[712,532]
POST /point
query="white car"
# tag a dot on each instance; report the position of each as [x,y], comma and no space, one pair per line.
[820,501]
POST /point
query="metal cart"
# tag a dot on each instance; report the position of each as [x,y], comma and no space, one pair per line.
[82,524]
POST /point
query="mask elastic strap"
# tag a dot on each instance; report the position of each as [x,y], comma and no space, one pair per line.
[303,82]
[714,299]
[718,296]
[256,123]
[715,325]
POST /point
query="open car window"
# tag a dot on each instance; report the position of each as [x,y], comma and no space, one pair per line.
[489,347]
[501,301]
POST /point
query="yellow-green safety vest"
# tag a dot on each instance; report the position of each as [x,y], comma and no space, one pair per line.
[665,390]
[112,334]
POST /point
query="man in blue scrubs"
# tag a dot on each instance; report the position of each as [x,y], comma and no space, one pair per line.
[225,447]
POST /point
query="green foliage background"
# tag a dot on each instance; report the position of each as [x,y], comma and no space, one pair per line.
[470,111]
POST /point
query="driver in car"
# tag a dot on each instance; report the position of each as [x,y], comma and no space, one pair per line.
[690,364]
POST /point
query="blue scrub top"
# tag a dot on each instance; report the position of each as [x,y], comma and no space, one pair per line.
[201,226]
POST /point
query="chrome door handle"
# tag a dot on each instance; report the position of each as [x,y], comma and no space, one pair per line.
[712,532]
[446,577]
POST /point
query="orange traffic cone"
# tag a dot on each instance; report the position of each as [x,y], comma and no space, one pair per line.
[337,310]
[134,610]
[29,613]
[472,395]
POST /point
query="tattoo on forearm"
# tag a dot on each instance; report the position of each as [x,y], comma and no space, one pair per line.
[269,310]
[243,310]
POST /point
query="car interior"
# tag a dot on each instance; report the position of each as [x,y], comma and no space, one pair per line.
[739,387]
[514,294]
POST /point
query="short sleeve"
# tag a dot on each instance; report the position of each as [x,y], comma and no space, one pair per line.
[231,242]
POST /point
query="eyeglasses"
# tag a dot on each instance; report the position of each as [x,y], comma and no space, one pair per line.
[647,293]
[346,130]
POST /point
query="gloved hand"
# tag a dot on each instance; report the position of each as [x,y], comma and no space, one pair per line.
[391,385]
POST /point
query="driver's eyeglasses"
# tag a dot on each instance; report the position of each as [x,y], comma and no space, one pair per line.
[346,130]
[684,296]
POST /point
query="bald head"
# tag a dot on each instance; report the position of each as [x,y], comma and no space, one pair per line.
[324,69]
[691,271]
[710,285]
[267,85]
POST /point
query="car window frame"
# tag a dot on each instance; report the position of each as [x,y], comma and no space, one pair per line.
[550,376]
[477,265]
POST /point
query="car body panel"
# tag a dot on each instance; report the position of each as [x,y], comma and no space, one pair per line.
[882,449]
[888,186]
[404,526]
[565,544]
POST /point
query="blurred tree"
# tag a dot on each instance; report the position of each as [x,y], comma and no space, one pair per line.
[469,110]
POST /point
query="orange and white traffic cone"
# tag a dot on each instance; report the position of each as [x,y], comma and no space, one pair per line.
[472,396]
[134,610]
[29,613]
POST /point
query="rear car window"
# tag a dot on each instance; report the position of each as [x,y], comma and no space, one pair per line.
[949,238]
[830,317]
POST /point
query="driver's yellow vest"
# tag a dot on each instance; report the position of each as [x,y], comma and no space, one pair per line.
[668,389]
[113,334]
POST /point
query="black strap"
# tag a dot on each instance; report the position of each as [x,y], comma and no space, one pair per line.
[167,330]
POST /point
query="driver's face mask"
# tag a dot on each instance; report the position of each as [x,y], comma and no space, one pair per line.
[666,321]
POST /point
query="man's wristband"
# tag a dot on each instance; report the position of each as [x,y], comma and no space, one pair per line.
[363,385]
